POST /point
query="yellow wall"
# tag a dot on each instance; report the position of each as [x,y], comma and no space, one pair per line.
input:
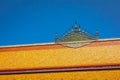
[62,57]
[98,55]
[93,75]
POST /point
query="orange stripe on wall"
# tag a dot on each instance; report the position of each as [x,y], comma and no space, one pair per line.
[57,46]
[105,43]
[34,47]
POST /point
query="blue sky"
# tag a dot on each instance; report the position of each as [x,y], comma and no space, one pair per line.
[37,21]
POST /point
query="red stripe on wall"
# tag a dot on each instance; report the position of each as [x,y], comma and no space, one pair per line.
[60,69]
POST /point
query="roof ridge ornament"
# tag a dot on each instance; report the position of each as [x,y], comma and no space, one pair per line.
[75,22]
[76,37]
[97,34]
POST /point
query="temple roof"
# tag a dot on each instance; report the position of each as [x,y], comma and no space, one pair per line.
[105,52]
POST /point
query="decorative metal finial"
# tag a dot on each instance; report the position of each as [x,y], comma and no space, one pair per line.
[56,37]
[97,34]
[76,22]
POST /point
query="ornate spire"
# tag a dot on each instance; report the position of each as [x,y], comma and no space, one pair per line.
[76,22]
[76,28]
[97,35]
[56,37]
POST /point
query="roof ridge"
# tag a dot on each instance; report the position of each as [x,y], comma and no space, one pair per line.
[50,43]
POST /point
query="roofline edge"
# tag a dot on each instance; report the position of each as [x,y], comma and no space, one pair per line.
[50,43]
